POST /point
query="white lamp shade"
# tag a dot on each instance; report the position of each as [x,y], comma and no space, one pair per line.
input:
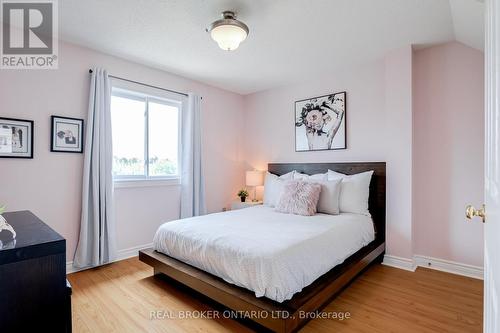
[228,36]
[254,178]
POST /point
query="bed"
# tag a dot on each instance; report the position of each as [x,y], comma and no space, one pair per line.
[278,265]
[272,254]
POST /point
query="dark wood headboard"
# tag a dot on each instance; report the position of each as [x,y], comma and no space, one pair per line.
[376,203]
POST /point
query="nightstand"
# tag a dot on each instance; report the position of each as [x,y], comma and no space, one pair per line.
[246,204]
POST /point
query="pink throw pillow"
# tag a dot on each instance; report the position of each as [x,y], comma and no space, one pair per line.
[299,197]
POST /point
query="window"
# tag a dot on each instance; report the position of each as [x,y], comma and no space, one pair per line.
[145,135]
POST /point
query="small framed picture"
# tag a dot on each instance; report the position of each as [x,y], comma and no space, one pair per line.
[16,138]
[67,135]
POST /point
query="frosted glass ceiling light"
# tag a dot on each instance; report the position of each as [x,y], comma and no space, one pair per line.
[228,32]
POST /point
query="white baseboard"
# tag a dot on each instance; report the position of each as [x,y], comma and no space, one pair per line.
[434,263]
[398,262]
[449,266]
[131,252]
[120,255]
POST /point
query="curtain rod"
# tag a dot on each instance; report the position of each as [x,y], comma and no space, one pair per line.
[144,84]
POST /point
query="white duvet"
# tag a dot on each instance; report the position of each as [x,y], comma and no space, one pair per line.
[273,254]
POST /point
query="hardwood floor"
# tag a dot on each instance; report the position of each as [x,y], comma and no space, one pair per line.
[123,297]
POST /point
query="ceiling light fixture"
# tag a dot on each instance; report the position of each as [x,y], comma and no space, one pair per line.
[228,32]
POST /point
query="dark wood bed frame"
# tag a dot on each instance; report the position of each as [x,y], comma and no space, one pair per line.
[289,315]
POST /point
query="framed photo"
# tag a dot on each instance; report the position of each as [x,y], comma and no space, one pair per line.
[67,135]
[16,138]
[320,123]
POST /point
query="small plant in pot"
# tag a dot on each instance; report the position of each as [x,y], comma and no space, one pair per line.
[243,194]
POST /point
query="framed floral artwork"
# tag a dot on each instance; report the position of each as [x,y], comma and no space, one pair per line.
[66,135]
[320,123]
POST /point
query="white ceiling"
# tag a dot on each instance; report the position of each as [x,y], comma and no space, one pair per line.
[289,40]
[468,22]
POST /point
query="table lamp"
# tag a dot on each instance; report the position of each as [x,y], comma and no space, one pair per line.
[254,178]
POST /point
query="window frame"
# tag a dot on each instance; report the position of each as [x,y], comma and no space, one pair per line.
[148,94]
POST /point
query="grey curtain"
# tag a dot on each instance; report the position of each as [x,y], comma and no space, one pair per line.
[96,244]
[192,180]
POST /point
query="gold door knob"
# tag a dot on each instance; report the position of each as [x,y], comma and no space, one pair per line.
[470,212]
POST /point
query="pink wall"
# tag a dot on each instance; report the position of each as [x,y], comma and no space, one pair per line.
[398,145]
[50,184]
[448,151]
[269,118]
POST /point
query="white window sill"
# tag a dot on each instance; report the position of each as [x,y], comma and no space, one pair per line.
[131,183]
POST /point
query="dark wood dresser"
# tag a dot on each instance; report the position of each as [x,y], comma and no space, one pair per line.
[34,296]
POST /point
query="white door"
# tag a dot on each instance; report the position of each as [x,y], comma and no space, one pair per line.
[492,171]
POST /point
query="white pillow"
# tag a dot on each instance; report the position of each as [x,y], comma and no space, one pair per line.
[273,185]
[303,176]
[354,191]
[330,191]
[329,197]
